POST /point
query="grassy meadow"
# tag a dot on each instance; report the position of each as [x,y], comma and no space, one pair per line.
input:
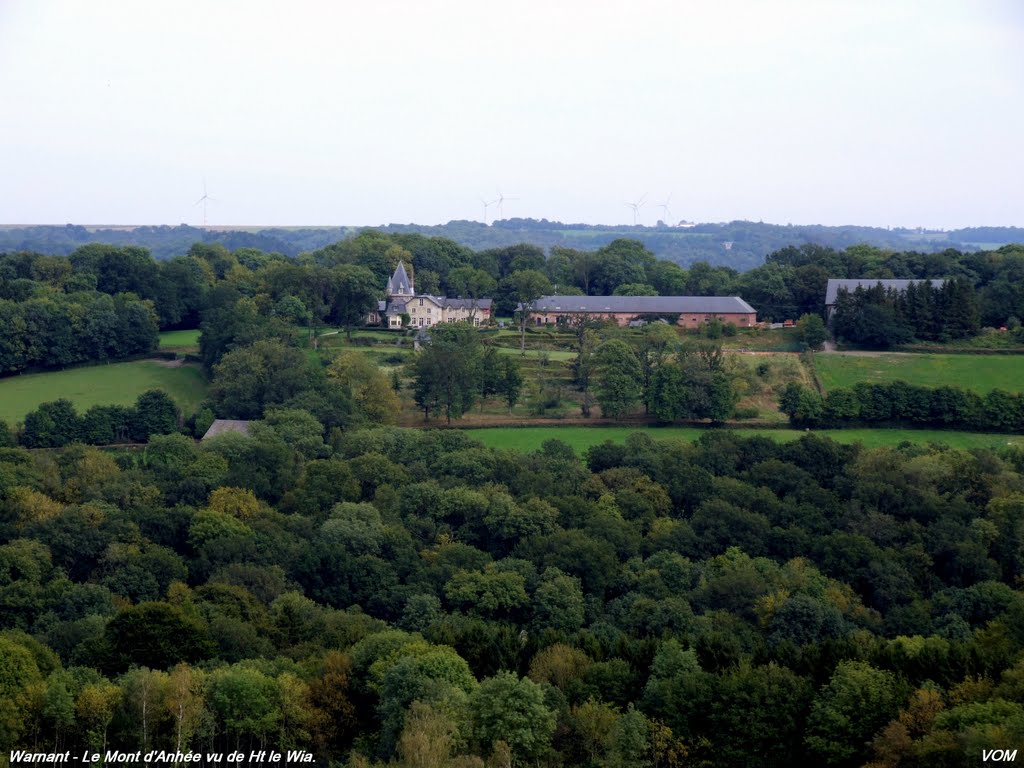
[179,341]
[582,438]
[113,384]
[559,355]
[980,373]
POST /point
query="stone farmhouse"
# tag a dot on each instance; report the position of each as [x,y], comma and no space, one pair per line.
[424,310]
[836,285]
[685,311]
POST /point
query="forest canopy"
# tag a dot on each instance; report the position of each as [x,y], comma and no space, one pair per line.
[386,594]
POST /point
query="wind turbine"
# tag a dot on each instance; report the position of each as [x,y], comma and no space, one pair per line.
[203,200]
[664,207]
[486,206]
[636,206]
[501,200]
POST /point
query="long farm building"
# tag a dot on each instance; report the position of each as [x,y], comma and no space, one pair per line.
[685,311]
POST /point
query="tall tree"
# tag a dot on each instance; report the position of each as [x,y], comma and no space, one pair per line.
[372,394]
[811,331]
[619,381]
[447,371]
[657,341]
[848,711]
[585,363]
[527,286]
[265,373]
[473,284]
[511,382]
[355,292]
[155,413]
[509,709]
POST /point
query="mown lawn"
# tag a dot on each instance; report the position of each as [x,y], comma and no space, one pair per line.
[582,438]
[981,373]
[113,384]
[182,340]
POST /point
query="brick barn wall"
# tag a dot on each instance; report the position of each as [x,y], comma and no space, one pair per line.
[687,320]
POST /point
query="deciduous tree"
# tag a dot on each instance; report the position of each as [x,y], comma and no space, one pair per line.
[619,386]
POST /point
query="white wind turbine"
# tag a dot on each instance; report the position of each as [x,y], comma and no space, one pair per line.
[667,211]
[486,206]
[204,200]
[636,206]
[501,201]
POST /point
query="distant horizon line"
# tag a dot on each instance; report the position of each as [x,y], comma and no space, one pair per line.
[686,225]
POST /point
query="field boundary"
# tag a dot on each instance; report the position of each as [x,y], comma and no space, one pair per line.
[807,358]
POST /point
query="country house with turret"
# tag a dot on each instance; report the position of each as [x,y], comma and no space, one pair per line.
[423,310]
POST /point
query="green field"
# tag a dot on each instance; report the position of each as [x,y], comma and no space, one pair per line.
[552,354]
[980,373]
[113,384]
[184,340]
[582,438]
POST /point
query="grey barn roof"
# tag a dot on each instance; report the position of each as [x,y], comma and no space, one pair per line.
[718,305]
[870,282]
[223,426]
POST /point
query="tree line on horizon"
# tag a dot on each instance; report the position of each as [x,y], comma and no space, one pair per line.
[748,241]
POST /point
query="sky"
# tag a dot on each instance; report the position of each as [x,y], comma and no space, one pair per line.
[368,112]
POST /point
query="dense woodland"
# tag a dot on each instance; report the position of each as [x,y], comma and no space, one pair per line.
[409,596]
[878,318]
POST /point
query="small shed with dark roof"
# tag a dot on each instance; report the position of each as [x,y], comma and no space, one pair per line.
[224,426]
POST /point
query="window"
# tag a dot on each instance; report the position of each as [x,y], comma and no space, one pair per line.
[421,302]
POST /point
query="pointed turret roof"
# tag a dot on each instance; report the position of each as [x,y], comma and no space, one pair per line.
[400,284]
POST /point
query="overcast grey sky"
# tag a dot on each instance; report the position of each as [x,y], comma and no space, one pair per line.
[880,112]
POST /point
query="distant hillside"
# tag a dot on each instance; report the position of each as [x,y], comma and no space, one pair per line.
[738,244]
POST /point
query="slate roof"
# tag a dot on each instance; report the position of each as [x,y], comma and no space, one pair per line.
[396,306]
[223,426]
[853,284]
[466,303]
[400,282]
[718,305]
